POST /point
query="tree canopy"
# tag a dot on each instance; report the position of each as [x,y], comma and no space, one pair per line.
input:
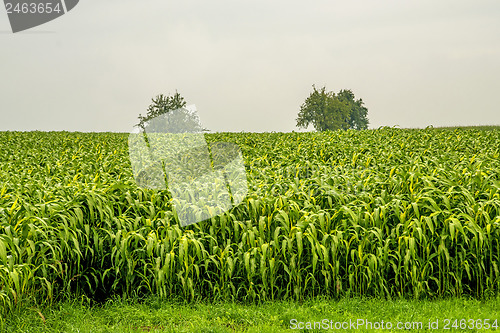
[168,114]
[329,111]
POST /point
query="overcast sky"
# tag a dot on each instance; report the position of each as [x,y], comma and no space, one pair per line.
[248,65]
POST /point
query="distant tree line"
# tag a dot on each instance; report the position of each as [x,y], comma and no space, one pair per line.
[324,110]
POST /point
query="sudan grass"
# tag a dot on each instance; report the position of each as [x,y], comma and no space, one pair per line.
[386,213]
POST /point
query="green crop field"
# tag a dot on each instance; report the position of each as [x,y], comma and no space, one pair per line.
[385,213]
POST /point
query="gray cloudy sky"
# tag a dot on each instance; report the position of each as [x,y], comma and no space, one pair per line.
[249,64]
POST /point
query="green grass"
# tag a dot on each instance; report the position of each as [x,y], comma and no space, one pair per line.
[387,214]
[154,315]
[477,127]
[452,128]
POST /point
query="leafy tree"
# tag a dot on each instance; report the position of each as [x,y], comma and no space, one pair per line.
[168,114]
[358,113]
[330,111]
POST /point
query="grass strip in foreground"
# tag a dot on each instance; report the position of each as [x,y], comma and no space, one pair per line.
[153,315]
